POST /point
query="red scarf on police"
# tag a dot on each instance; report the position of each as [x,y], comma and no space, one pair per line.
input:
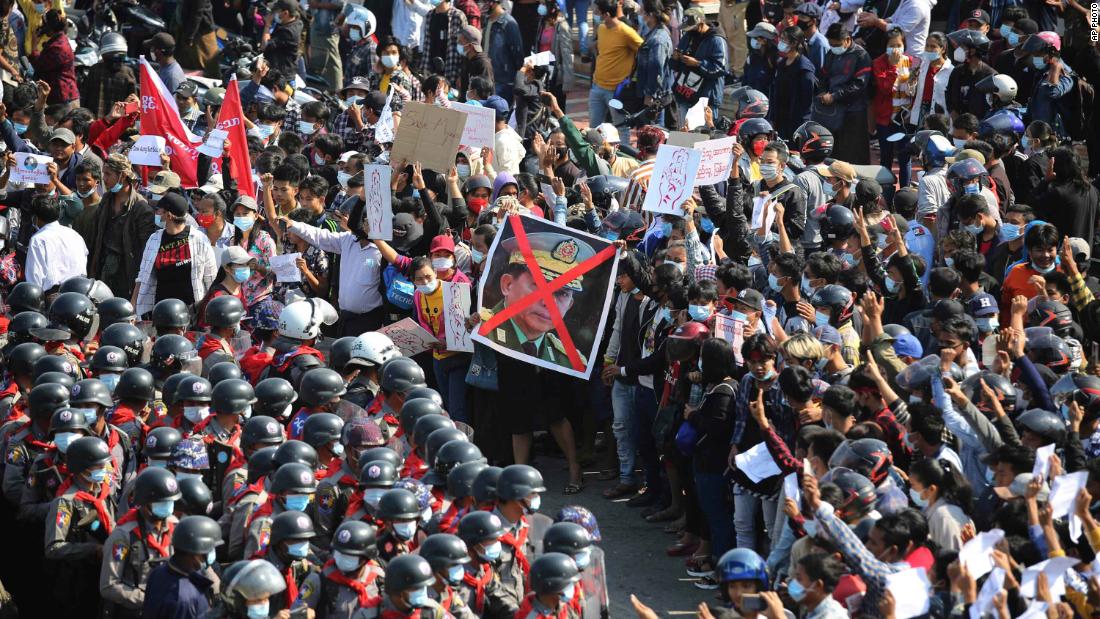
[99,503]
[60,348]
[529,605]
[29,439]
[479,585]
[291,586]
[17,407]
[448,522]
[414,466]
[165,539]
[359,586]
[245,490]
[517,543]
[266,509]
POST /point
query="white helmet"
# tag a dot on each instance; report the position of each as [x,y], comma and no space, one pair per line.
[362,19]
[1004,88]
[302,320]
[372,349]
[112,43]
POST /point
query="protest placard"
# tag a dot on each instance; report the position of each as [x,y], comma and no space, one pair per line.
[147,150]
[715,161]
[30,169]
[430,135]
[377,201]
[672,180]
[456,308]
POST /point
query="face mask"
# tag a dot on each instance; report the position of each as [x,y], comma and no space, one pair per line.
[666,229]
[959,142]
[355,35]
[195,414]
[90,414]
[298,550]
[443,264]
[371,496]
[959,55]
[428,288]
[768,171]
[110,380]
[821,319]
[157,464]
[892,285]
[1009,233]
[318,159]
[583,558]
[895,51]
[264,131]
[98,475]
[205,221]
[85,194]
[211,557]
[345,562]
[1038,62]
[476,256]
[542,10]
[949,261]
[568,592]
[756,44]
[158,221]
[278,18]
[611,235]
[461,49]
[296,502]
[419,598]
[929,56]
[337,449]
[917,499]
[117,187]
[680,266]
[1025,142]
[19,127]
[795,589]
[161,510]
[533,505]
[244,223]
[848,259]
[806,288]
[259,610]
[820,364]
[706,224]
[987,324]
[773,283]
[306,128]
[972,188]
[974,229]
[463,170]
[343,178]
[1043,271]
[404,530]
[455,574]
[758,148]
[389,61]
[783,47]
[699,313]
[837,50]
[491,552]
[241,274]
[62,440]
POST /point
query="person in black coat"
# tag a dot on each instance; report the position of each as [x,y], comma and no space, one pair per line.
[1067,200]
[792,90]
[281,46]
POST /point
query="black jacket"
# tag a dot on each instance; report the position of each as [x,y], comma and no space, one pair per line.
[282,49]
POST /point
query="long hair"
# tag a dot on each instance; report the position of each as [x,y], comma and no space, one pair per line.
[953,487]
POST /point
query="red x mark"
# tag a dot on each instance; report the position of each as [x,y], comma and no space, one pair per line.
[545,291]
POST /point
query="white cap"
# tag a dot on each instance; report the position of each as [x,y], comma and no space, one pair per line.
[609,132]
[348,155]
[213,184]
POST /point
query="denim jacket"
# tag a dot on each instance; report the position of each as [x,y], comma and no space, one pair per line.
[653,74]
[505,48]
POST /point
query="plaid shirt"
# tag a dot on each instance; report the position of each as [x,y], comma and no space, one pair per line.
[361,59]
[354,139]
[404,85]
[452,60]
[855,553]
[293,115]
[105,85]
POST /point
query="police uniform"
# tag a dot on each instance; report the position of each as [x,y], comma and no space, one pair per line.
[131,552]
[235,478]
[481,591]
[75,531]
[341,597]
[555,254]
[238,510]
[25,445]
[516,552]
[533,609]
[259,530]
[432,611]
[303,583]
[131,421]
[451,600]
[122,454]
[389,546]
[333,496]
[361,392]
[45,476]
[222,448]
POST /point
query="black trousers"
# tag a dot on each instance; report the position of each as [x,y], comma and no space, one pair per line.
[354,324]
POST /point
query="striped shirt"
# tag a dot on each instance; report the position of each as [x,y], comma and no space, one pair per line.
[636,188]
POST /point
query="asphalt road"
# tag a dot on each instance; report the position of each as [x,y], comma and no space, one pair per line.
[634,549]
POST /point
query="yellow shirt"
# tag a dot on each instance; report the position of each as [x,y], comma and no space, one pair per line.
[431,310]
[32,42]
[616,48]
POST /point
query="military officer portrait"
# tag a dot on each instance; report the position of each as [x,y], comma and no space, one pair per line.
[531,331]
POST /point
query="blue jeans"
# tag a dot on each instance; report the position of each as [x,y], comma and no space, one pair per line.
[598,99]
[624,428]
[888,151]
[645,411]
[745,509]
[450,375]
[780,557]
[576,11]
[714,501]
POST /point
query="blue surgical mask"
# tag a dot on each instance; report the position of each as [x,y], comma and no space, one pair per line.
[848,259]
[611,235]
[739,316]
[477,256]
[972,188]
[1012,39]
[542,11]
[241,274]
[85,194]
[769,171]
[110,380]
[796,590]
[892,285]
[460,48]
[918,500]
[337,449]
[974,229]
[706,224]
[20,128]
[61,440]
[157,464]
[755,42]
[161,510]
[1025,142]
[345,562]
[583,558]
[98,475]
[91,415]
[828,189]
[699,313]
[568,592]
[949,261]
[404,530]
[1038,62]
[211,557]
[837,49]
[820,364]
[455,574]
[783,47]
[1009,232]
[806,288]
[259,610]
[666,229]
[298,550]
[987,324]
[419,598]
[1043,271]
[264,131]
[635,290]
[296,502]
[196,414]
[244,223]
[306,128]
[116,188]
[929,56]
[821,319]
[371,496]
[491,552]
[773,283]
[428,288]
[158,221]
[343,178]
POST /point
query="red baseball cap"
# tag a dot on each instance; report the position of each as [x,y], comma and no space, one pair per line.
[443,242]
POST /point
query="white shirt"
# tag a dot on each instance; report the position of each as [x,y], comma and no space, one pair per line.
[508,150]
[55,254]
[360,267]
[408,21]
[913,17]
[204,267]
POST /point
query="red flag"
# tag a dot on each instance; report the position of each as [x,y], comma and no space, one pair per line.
[160,116]
[231,119]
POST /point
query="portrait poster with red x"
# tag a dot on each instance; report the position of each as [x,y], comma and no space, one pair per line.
[545,294]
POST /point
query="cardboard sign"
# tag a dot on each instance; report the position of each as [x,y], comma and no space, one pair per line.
[715,162]
[378,201]
[31,169]
[480,125]
[147,150]
[215,143]
[672,180]
[408,336]
[456,307]
[684,138]
[430,135]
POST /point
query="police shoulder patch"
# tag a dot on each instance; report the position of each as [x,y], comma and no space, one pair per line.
[120,551]
[326,498]
[63,515]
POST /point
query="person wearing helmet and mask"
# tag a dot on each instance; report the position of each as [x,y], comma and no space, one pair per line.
[223,316]
[299,326]
[368,353]
[970,48]
[351,579]
[30,439]
[447,555]
[234,268]
[111,79]
[1040,258]
[407,579]
[292,534]
[48,471]
[184,586]
[292,489]
[481,587]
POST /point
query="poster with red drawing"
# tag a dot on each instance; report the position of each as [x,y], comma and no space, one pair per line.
[456,307]
[672,181]
[376,195]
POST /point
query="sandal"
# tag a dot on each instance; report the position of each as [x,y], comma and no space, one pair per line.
[572,488]
[665,515]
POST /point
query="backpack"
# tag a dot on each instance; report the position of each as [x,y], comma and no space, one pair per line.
[1077,108]
[399,290]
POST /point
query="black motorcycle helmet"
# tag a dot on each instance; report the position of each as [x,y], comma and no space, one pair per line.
[54,377]
[71,315]
[858,491]
[748,103]
[169,352]
[568,538]
[291,525]
[752,128]
[839,301]
[398,504]
[169,390]
[126,337]
[67,420]
[261,463]
[478,527]
[21,327]
[447,457]
[1051,313]
[85,453]
[340,353]
[553,572]
[231,397]
[161,442]
[224,371]
[191,388]
[94,289]
[460,481]
[195,497]
[356,538]
[377,474]
[838,223]
[1084,389]
[322,429]
[424,393]
[813,139]
[1043,423]
[26,297]
[155,484]
[319,387]
[971,39]
[296,452]
[1003,387]
[274,397]
[259,431]
[443,551]
[293,478]
[43,400]
[90,391]
[1048,349]
[401,375]
[21,360]
[869,457]
[116,310]
[136,384]
[425,426]
[436,441]
[408,572]
[55,363]
[109,359]
[485,485]
[413,410]
[196,535]
[381,453]
[224,311]
[519,481]
[171,314]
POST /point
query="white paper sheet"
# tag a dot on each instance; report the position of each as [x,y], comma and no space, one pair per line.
[672,181]
[377,199]
[1055,569]
[540,59]
[984,603]
[409,337]
[147,150]
[715,162]
[977,554]
[791,489]
[762,216]
[696,115]
[214,144]
[1042,461]
[912,592]
[456,308]
[30,169]
[1063,492]
[757,463]
[480,125]
[286,268]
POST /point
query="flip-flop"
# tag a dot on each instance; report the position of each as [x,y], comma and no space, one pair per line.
[572,488]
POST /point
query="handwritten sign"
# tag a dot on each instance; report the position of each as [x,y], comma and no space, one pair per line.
[715,162]
[285,267]
[408,336]
[672,180]
[480,125]
[763,215]
[430,135]
[684,138]
[215,143]
[147,150]
[377,200]
[731,330]
[456,307]
[30,169]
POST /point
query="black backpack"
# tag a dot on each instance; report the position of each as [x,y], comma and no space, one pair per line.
[1077,108]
